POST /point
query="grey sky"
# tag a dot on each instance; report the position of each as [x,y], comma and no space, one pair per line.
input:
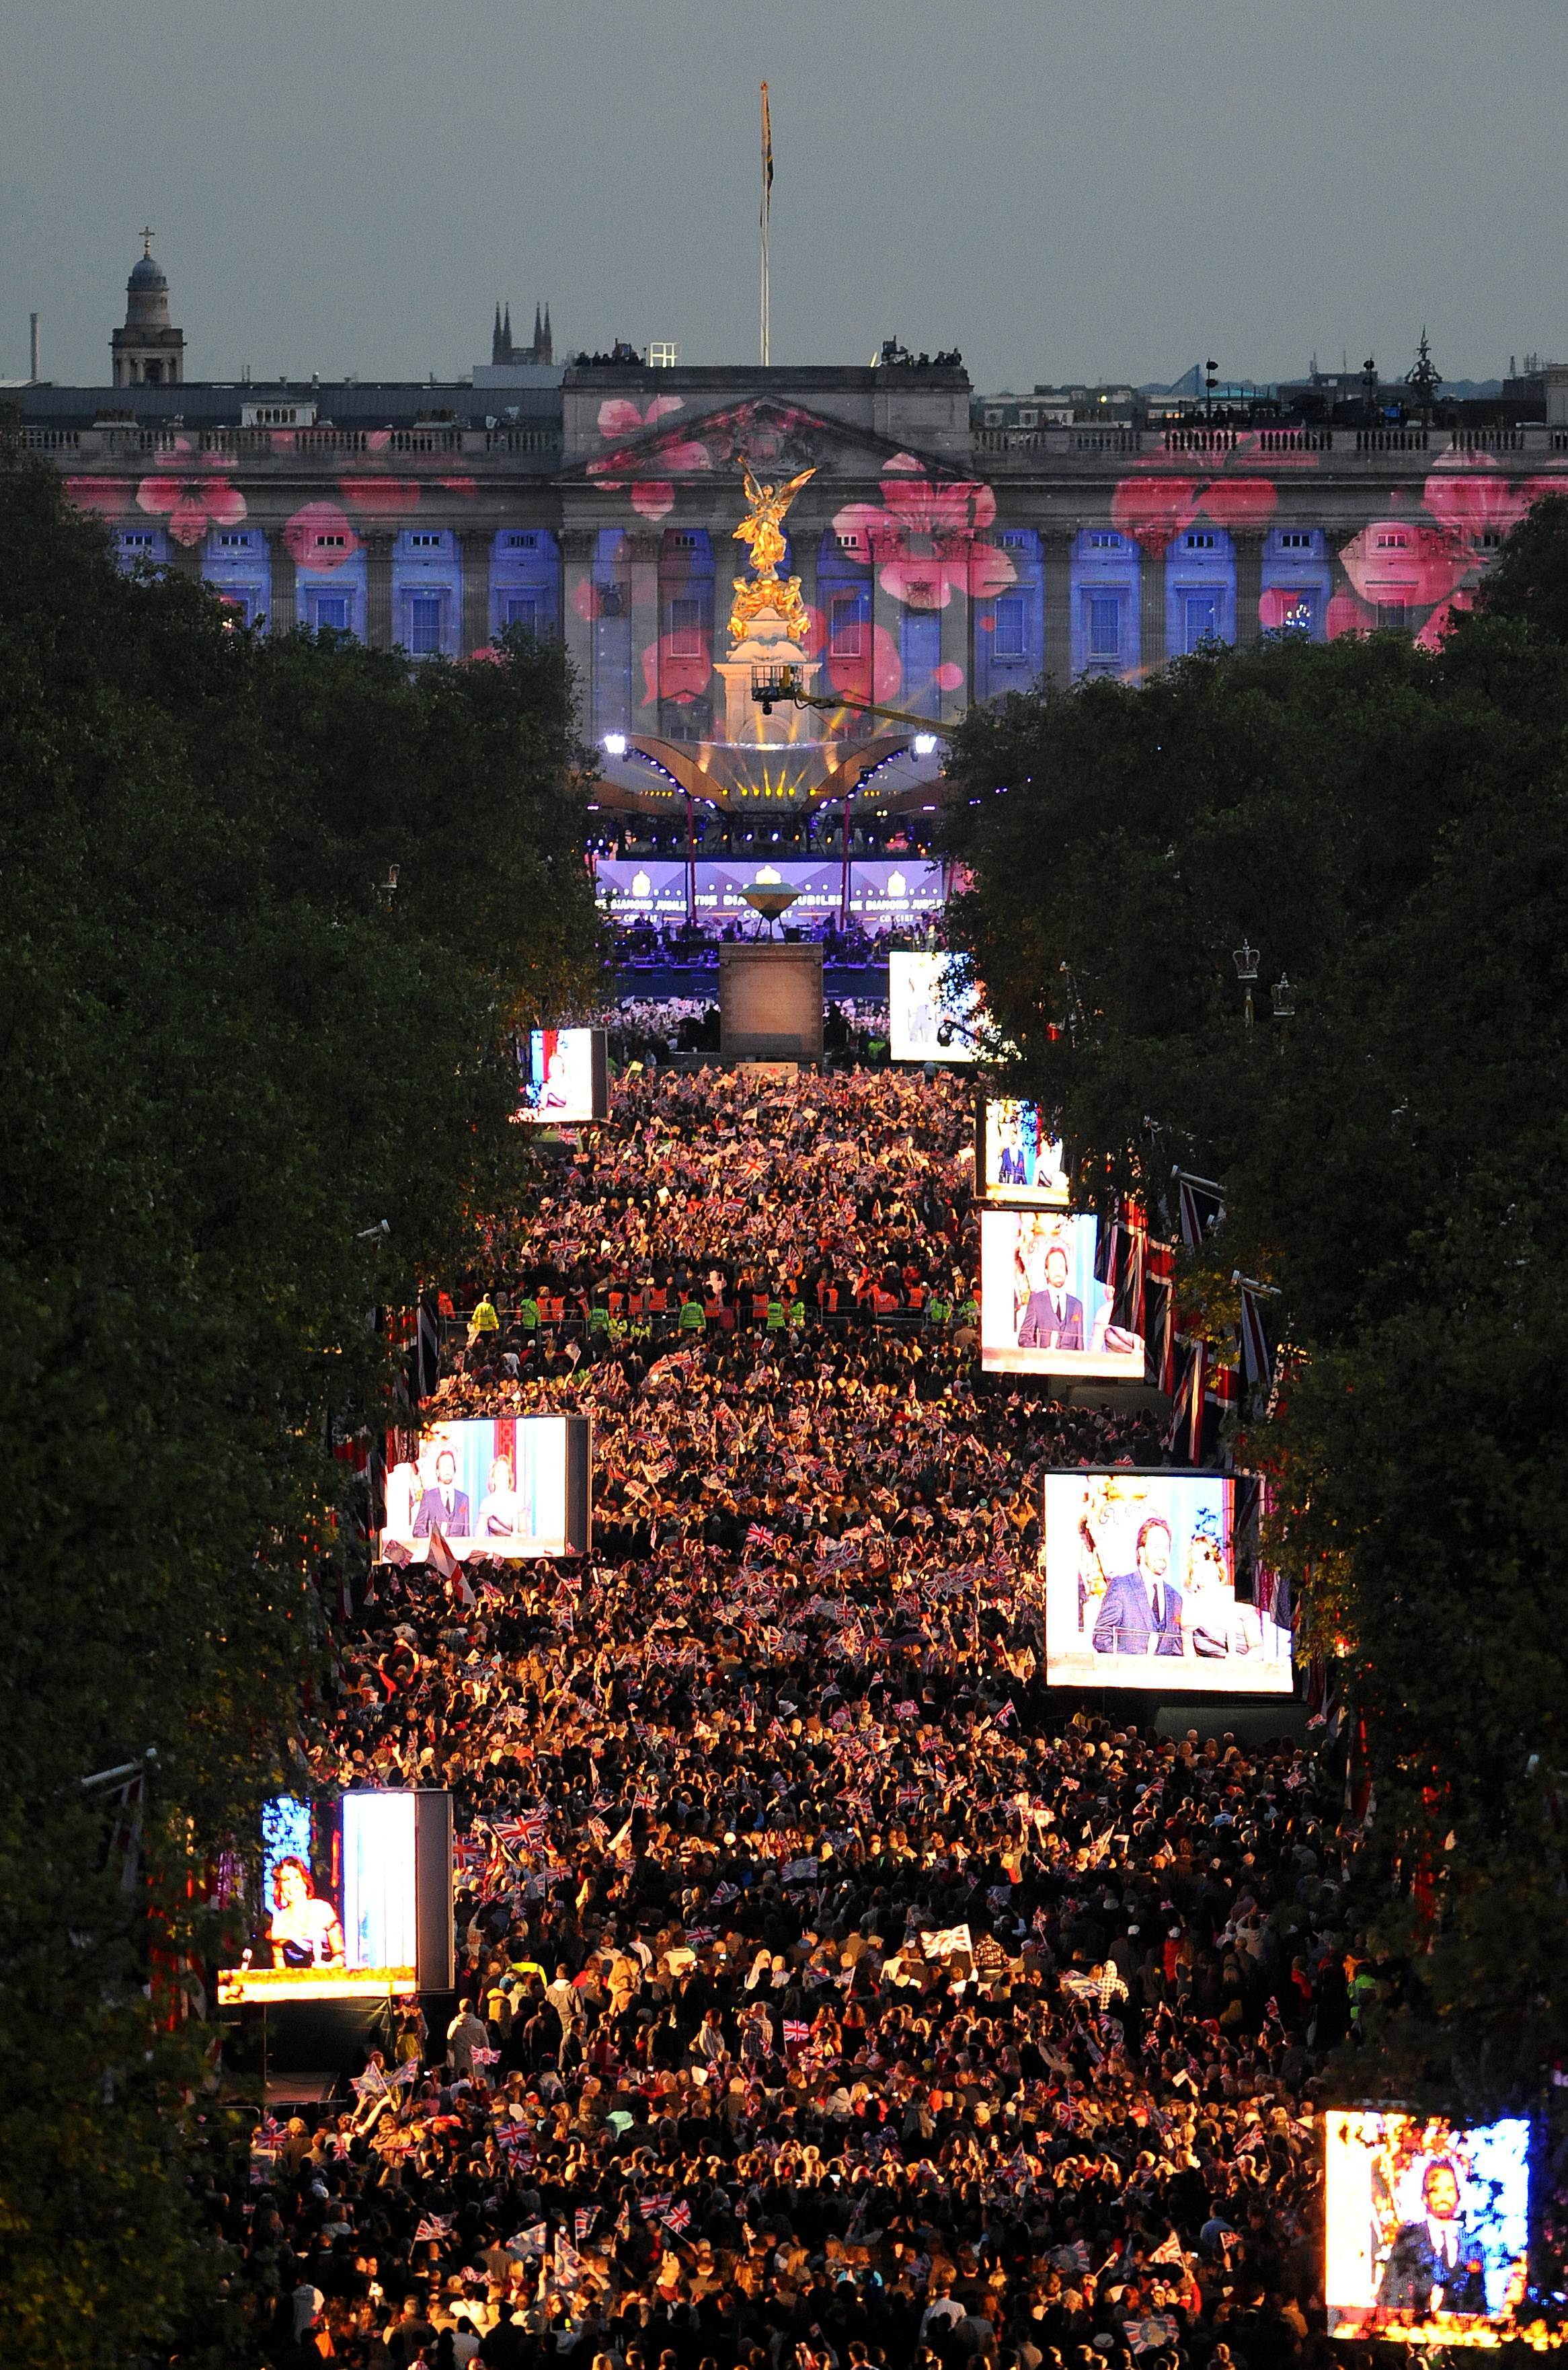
[1061,188]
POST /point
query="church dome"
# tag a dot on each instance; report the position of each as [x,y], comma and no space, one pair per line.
[146,273]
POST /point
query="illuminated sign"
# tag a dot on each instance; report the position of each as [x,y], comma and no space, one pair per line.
[508,1486]
[564,1077]
[1141,1587]
[1018,1160]
[932,1016]
[1425,2227]
[1043,1309]
[355,1900]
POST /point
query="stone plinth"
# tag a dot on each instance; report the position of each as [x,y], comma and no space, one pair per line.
[770,1002]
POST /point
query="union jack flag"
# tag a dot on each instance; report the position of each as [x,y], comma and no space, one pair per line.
[433,2227]
[679,2217]
[583,2221]
[654,2208]
[796,2032]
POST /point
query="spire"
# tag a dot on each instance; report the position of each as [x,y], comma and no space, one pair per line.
[546,353]
[507,353]
[496,335]
[538,334]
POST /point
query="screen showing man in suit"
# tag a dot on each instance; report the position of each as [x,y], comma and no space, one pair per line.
[1141,1587]
[1425,2227]
[489,1486]
[1043,1309]
[1021,1156]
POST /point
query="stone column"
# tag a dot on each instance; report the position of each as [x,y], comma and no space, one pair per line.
[804,548]
[1152,609]
[378,588]
[283,609]
[1056,544]
[957,644]
[883,610]
[577,546]
[1248,545]
[643,551]
[474,543]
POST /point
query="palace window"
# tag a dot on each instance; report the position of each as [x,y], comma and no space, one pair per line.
[1105,539]
[521,609]
[1395,540]
[1007,638]
[332,610]
[1201,539]
[521,542]
[1200,616]
[425,626]
[686,628]
[1295,538]
[419,542]
[845,626]
[332,543]
[1105,625]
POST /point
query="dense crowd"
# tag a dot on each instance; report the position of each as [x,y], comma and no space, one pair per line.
[829,1995]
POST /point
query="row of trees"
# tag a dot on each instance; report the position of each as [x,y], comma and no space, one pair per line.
[229,1052]
[1389,828]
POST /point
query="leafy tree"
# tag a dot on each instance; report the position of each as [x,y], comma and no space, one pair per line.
[1390,827]
[225,1058]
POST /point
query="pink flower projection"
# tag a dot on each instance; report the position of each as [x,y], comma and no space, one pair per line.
[1154,510]
[381,497]
[652,498]
[463,488]
[319,537]
[1469,494]
[110,497]
[1400,560]
[680,675]
[193,495]
[1434,632]
[922,536]
[878,678]
[618,417]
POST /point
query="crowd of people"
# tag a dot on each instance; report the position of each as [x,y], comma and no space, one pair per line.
[829,1995]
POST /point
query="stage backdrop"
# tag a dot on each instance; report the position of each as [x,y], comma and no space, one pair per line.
[883,890]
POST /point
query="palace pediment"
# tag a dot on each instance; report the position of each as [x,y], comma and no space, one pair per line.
[666,438]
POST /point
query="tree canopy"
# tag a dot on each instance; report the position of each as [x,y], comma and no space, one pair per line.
[1388,827]
[228,1057]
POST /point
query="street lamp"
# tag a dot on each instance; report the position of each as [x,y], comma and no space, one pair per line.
[1210,381]
[1245,958]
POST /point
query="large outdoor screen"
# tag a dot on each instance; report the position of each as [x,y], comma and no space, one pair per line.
[1018,1159]
[354,1898]
[512,1485]
[1426,2224]
[884,891]
[1141,1587]
[929,1019]
[564,1077]
[1043,1310]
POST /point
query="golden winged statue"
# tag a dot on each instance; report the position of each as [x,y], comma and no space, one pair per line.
[762,531]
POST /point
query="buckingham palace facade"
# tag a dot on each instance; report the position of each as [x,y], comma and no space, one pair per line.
[941,561]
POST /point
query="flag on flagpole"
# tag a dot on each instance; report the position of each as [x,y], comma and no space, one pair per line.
[767,156]
[1202,1207]
[1184,1436]
[1257,1357]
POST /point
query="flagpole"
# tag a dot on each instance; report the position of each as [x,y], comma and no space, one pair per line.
[767,208]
